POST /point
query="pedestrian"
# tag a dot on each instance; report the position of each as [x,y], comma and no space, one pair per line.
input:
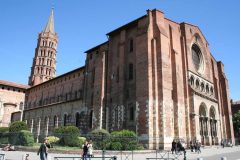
[85,150]
[180,147]
[43,149]
[90,149]
[198,146]
[191,146]
[222,143]
[174,146]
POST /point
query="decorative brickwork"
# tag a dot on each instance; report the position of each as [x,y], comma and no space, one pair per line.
[154,76]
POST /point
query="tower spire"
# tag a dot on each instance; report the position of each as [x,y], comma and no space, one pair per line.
[50,24]
[44,62]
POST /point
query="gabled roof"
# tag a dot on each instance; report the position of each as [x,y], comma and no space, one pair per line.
[197,28]
[50,24]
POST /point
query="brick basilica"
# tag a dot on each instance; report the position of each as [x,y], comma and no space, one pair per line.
[154,76]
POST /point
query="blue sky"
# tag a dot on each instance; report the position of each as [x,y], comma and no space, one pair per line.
[82,25]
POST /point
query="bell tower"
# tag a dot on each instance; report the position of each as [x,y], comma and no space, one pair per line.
[44,61]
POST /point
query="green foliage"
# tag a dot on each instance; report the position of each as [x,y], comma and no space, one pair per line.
[72,130]
[81,140]
[68,136]
[100,138]
[23,138]
[18,126]
[26,138]
[100,133]
[236,121]
[116,146]
[53,139]
[59,132]
[4,129]
[4,138]
[4,135]
[127,139]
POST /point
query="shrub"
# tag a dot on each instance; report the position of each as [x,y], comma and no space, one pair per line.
[127,139]
[4,129]
[59,132]
[81,140]
[100,138]
[116,146]
[4,135]
[4,138]
[53,139]
[24,138]
[18,126]
[68,135]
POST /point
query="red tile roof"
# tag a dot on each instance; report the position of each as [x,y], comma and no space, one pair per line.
[12,84]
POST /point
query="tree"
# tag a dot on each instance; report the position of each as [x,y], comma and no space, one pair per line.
[236,122]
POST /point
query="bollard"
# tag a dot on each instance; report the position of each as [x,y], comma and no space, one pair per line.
[115,158]
[199,158]
[103,154]
[223,158]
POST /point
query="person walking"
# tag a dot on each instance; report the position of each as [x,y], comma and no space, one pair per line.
[85,150]
[198,146]
[174,146]
[191,146]
[43,149]
[90,149]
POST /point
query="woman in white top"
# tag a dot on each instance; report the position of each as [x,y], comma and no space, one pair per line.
[90,149]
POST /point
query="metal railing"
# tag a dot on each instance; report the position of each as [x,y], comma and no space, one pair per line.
[88,158]
[2,156]
[168,155]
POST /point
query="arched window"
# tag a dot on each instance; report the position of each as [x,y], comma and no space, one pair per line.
[130,71]
[213,121]
[91,119]
[77,117]
[197,83]
[202,86]
[65,120]
[191,81]
[55,121]
[197,57]
[211,90]
[207,89]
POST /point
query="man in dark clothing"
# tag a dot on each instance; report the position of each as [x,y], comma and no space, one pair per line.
[180,147]
[85,150]
[43,150]
[174,146]
[191,146]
